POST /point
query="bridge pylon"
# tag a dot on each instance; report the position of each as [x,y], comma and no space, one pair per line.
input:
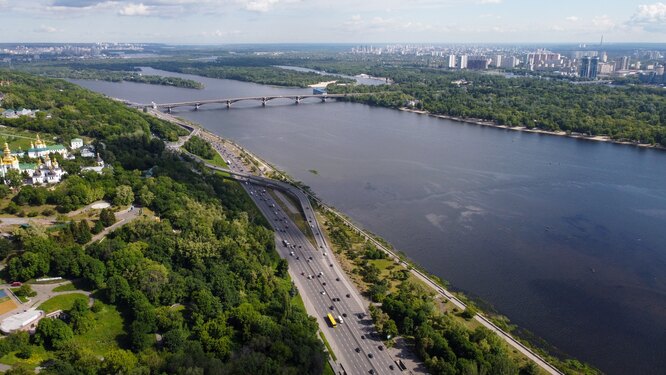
[263,101]
[228,104]
[298,99]
[196,106]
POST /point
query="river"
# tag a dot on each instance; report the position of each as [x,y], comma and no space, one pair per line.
[566,237]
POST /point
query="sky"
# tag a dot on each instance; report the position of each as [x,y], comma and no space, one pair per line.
[332,21]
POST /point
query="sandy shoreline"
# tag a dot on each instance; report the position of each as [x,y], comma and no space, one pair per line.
[597,138]
[321,84]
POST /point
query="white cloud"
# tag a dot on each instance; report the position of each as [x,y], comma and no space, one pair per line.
[650,17]
[220,33]
[46,29]
[134,10]
[572,19]
[603,22]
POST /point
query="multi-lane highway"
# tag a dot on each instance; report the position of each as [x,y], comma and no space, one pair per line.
[322,284]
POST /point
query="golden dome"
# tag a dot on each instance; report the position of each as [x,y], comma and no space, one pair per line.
[7,157]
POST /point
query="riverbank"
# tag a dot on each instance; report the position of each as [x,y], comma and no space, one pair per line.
[476,121]
[433,283]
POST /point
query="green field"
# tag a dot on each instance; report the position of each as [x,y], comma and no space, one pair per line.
[62,302]
[20,138]
[69,287]
[102,338]
[105,333]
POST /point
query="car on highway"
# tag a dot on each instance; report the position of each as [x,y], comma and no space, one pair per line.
[348,295]
[323,293]
[363,337]
[380,347]
[358,350]
[370,355]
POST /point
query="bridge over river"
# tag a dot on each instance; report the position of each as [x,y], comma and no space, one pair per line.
[229,101]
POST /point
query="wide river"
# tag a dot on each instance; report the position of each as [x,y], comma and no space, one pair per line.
[565,237]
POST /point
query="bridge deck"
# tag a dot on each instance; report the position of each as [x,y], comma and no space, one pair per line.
[234,100]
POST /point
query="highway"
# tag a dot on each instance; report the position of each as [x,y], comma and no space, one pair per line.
[243,174]
[321,282]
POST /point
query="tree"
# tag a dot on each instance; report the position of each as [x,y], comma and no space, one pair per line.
[118,361]
[107,217]
[52,333]
[81,318]
[6,247]
[28,265]
[25,290]
[4,190]
[81,232]
[174,340]
[13,178]
[124,196]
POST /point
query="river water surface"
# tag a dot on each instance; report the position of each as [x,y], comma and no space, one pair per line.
[566,237]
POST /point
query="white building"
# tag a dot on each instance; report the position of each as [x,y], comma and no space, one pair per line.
[463,62]
[452,62]
[48,172]
[76,143]
[98,167]
[39,149]
[25,321]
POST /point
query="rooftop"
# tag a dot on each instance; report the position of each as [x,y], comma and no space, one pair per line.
[20,320]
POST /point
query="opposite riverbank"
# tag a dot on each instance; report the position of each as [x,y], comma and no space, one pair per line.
[476,121]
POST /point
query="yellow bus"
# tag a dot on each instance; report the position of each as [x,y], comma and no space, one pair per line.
[331,320]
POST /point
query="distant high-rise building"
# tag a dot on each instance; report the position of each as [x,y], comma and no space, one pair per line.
[497,61]
[622,63]
[589,67]
[477,62]
[451,62]
[659,69]
[463,62]
[509,62]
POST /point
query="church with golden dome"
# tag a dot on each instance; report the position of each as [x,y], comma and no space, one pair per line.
[45,171]
[39,149]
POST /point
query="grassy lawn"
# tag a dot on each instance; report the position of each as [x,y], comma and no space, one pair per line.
[20,138]
[65,288]
[105,333]
[328,370]
[39,354]
[102,338]
[62,302]
[23,299]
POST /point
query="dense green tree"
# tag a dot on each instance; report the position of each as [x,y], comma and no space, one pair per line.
[107,217]
[52,333]
[124,196]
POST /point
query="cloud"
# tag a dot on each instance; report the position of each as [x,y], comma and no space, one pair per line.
[603,22]
[572,19]
[220,33]
[46,29]
[650,17]
[134,10]
[489,1]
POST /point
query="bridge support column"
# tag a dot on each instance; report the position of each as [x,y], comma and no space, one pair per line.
[228,104]
[263,102]
[168,109]
[196,106]
[323,99]
[298,99]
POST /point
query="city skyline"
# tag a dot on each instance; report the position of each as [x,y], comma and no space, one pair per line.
[343,21]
